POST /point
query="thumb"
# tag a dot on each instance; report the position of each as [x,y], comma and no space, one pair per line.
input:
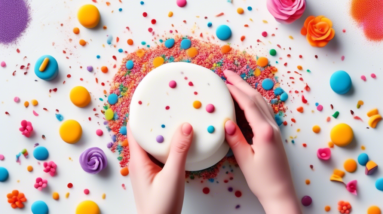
[238,144]
[179,148]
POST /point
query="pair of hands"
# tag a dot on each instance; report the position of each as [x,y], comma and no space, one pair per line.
[264,163]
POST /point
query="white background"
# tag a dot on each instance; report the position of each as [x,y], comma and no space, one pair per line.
[45,35]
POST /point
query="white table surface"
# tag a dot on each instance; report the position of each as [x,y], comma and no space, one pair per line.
[45,35]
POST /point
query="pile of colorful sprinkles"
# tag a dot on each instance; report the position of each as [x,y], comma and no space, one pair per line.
[202,53]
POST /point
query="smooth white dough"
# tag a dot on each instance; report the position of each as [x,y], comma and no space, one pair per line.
[154,92]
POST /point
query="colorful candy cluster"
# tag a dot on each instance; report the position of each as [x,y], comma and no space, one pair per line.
[137,64]
[26,128]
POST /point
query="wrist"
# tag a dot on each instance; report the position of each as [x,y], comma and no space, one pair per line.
[286,204]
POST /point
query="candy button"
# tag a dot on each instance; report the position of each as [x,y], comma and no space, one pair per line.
[273,52]
[49,67]
[99,132]
[223,32]
[39,207]
[284,96]
[158,61]
[262,61]
[210,108]
[70,131]
[169,43]
[185,44]
[79,96]
[181,3]
[160,139]
[192,52]
[87,207]
[379,184]
[278,91]
[267,84]
[340,82]
[341,134]
[3,174]
[316,129]
[123,130]
[350,165]
[109,114]
[306,200]
[225,49]
[374,210]
[363,159]
[197,104]
[129,64]
[88,16]
[41,153]
[210,129]
[112,99]
[172,84]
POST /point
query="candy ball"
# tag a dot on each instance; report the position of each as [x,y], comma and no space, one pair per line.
[363,159]
[306,200]
[79,96]
[87,207]
[340,82]
[169,43]
[41,153]
[223,32]
[39,207]
[379,184]
[3,174]
[70,131]
[341,134]
[112,99]
[88,16]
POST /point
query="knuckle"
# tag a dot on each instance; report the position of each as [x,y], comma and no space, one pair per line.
[182,146]
[267,132]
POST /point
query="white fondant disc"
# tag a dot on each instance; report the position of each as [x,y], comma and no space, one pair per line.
[157,110]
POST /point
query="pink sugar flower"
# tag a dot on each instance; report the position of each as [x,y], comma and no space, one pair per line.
[50,167]
[351,187]
[324,153]
[40,183]
[26,128]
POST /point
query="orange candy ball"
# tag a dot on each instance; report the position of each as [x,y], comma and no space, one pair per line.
[104,69]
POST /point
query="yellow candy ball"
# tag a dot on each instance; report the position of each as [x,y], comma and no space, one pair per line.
[262,61]
[158,61]
[88,16]
[109,114]
[341,134]
[197,104]
[79,96]
[87,207]
[70,131]
[374,210]
[316,129]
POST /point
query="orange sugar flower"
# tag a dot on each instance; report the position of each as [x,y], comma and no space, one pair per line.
[318,31]
[16,199]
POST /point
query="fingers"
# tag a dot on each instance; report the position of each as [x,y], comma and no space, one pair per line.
[243,152]
[252,113]
[138,155]
[179,148]
[237,81]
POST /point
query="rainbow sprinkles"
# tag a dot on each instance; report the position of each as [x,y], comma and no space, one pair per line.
[256,71]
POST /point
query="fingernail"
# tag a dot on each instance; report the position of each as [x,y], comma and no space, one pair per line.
[186,129]
[230,127]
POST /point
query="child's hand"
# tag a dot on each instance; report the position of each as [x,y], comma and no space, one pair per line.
[264,163]
[160,190]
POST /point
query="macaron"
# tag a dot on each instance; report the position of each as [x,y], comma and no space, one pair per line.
[46,68]
[88,16]
[340,82]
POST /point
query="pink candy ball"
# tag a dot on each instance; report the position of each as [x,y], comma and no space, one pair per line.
[181,3]
[210,108]
[16,99]
[172,84]
[86,191]
[3,64]
[1,157]
[99,132]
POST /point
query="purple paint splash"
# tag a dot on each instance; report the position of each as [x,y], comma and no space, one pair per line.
[14,19]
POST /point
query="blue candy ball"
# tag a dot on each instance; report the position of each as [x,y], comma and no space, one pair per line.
[267,84]
[3,174]
[41,153]
[340,82]
[379,184]
[363,159]
[209,24]
[284,96]
[123,130]
[210,129]
[51,70]
[129,64]
[223,32]
[169,43]
[112,99]
[39,207]
[278,91]
[185,44]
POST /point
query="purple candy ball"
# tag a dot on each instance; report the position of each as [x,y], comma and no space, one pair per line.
[306,200]
[109,145]
[160,139]
[93,160]
[89,68]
